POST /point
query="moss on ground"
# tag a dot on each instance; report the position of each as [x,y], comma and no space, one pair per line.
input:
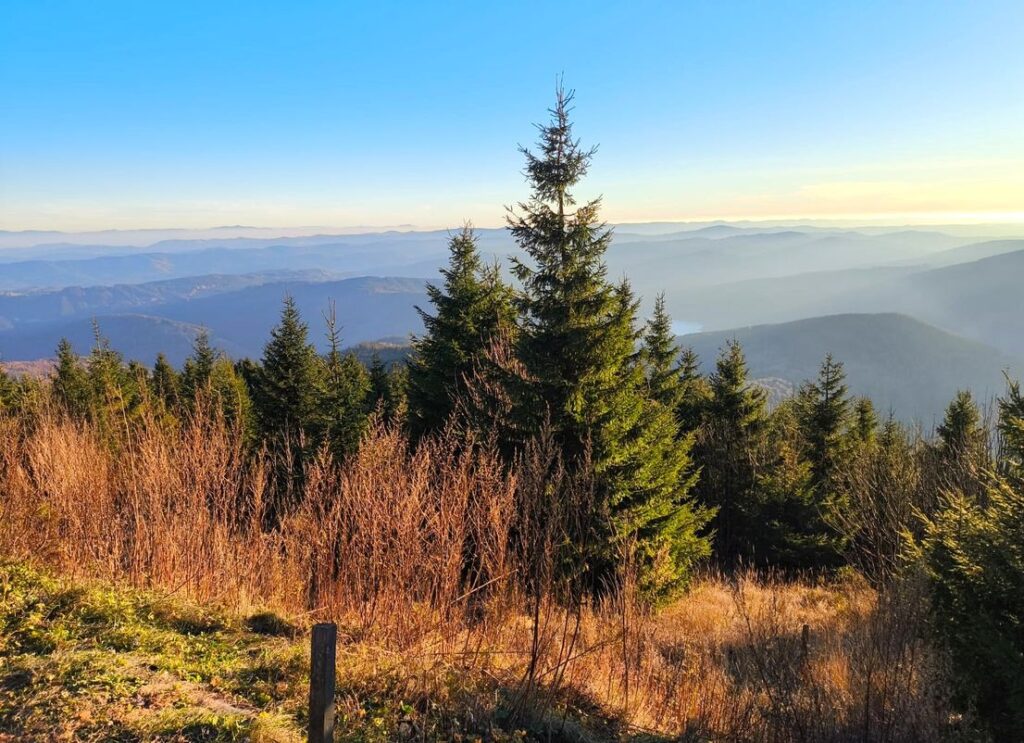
[91,662]
[86,661]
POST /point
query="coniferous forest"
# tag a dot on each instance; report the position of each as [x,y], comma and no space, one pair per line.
[548,525]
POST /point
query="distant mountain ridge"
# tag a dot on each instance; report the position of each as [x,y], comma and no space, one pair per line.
[981,299]
[138,337]
[715,276]
[976,251]
[713,254]
[902,364]
[50,305]
[134,268]
[368,308]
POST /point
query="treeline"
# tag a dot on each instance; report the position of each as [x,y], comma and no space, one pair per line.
[680,468]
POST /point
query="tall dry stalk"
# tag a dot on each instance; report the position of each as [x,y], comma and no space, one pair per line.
[443,557]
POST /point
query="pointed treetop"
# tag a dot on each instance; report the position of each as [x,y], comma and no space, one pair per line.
[660,353]
[1011,429]
[865,421]
[464,259]
[561,162]
[689,364]
[203,354]
[333,331]
[733,397]
[961,428]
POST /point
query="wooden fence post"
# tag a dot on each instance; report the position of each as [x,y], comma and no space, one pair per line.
[321,683]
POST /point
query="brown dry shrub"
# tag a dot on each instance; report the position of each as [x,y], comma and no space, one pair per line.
[382,544]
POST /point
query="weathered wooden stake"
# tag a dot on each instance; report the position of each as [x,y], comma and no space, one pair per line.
[321,683]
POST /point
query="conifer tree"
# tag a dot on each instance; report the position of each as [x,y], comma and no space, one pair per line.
[165,383]
[107,379]
[470,308]
[667,532]
[694,391]
[782,525]
[1011,433]
[864,428]
[27,396]
[195,376]
[396,402]
[824,417]
[387,389]
[287,384]
[960,432]
[229,394]
[824,413]
[378,382]
[730,437]
[209,382]
[962,447]
[8,392]
[137,376]
[107,389]
[660,354]
[578,348]
[70,383]
[974,556]
[342,404]
[285,403]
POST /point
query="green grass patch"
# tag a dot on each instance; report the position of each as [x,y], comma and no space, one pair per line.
[90,662]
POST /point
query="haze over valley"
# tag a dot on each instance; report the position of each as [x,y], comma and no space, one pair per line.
[944,292]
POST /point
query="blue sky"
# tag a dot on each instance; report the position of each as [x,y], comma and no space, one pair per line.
[194,114]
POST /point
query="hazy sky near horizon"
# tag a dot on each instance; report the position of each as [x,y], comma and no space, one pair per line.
[193,114]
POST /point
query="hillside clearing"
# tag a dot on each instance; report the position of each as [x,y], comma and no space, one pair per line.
[81,660]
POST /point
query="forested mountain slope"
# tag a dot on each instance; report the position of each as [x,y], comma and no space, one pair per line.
[904,365]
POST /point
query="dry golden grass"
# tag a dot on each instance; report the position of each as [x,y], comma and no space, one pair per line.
[379,545]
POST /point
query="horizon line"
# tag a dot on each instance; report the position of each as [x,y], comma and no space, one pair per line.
[906,219]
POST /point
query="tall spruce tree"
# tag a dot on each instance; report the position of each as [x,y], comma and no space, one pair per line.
[209,382]
[285,403]
[471,307]
[782,524]
[694,391]
[198,368]
[343,396]
[388,388]
[960,432]
[114,395]
[70,382]
[1011,432]
[864,427]
[824,414]
[962,447]
[730,435]
[974,555]
[660,355]
[578,348]
[165,383]
[229,394]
